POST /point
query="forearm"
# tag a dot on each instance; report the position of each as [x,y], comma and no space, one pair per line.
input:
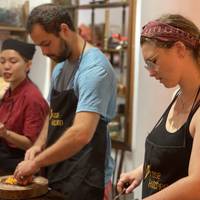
[41,140]
[140,169]
[185,189]
[20,141]
[69,144]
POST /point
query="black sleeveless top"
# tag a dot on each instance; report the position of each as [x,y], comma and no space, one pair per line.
[167,154]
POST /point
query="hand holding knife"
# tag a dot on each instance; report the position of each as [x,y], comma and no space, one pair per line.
[126,185]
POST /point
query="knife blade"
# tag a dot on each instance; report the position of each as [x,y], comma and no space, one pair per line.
[126,185]
[120,194]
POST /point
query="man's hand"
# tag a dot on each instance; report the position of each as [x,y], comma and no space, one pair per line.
[25,169]
[32,152]
[25,180]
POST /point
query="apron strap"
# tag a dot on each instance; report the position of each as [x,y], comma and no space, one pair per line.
[173,100]
[194,108]
[67,73]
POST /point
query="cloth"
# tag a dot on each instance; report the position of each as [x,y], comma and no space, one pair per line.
[85,170]
[26,50]
[165,32]
[162,150]
[93,80]
[24,110]
[108,191]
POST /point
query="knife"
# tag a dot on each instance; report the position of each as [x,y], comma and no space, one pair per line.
[120,194]
[126,185]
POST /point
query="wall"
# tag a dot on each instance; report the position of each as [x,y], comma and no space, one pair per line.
[151,98]
[41,67]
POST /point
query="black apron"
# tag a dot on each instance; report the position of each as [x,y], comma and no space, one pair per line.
[80,177]
[167,154]
[9,158]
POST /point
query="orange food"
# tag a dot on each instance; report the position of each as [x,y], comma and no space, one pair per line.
[11,180]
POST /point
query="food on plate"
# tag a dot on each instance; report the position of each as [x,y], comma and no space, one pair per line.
[10,180]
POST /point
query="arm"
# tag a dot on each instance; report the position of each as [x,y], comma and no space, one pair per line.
[72,141]
[20,141]
[134,179]
[31,120]
[41,140]
[186,188]
[39,145]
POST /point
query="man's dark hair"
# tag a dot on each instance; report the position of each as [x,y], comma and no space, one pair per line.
[50,17]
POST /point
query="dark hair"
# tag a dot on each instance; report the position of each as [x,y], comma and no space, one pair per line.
[182,23]
[50,17]
[26,50]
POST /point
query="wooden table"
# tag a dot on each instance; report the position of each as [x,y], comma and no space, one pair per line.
[51,195]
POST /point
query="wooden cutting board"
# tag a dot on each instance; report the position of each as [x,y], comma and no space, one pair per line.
[38,187]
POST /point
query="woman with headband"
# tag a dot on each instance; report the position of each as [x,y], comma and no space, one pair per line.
[22,108]
[171,50]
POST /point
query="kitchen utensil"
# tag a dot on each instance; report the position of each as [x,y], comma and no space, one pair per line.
[120,194]
[126,185]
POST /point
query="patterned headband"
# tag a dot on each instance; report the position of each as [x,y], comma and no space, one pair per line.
[167,33]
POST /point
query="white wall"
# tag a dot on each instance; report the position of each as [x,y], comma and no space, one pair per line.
[150,97]
[40,71]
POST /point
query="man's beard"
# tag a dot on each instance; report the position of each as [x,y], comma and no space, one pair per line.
[64,53]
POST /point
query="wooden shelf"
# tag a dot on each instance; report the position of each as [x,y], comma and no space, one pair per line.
[99,5]
[125,55]
[113,50]
[12,28]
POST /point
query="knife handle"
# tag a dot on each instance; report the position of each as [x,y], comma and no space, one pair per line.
[126,185]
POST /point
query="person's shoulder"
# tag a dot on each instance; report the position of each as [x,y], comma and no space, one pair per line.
[95,59]
[195,125]
[95,67]
[94,55]
[32,92]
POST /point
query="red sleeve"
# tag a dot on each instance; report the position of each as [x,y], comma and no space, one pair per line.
[35,114]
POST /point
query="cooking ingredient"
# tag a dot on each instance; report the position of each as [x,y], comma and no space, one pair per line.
[11,180]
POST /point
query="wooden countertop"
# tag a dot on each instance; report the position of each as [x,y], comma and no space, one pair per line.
[51,195]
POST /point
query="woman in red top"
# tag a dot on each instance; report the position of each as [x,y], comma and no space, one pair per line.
[22,109]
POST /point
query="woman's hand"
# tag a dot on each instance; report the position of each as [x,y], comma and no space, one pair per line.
[132,178]
[2,130]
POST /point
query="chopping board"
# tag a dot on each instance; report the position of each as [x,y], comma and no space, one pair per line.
[38,187]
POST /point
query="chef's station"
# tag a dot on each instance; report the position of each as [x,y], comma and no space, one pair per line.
[9,189]
[37,190]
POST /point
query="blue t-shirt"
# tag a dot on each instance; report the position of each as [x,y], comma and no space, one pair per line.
[94,84]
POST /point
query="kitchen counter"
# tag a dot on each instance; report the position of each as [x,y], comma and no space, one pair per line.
[51,195]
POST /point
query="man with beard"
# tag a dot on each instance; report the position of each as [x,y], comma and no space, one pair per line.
[82,101]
